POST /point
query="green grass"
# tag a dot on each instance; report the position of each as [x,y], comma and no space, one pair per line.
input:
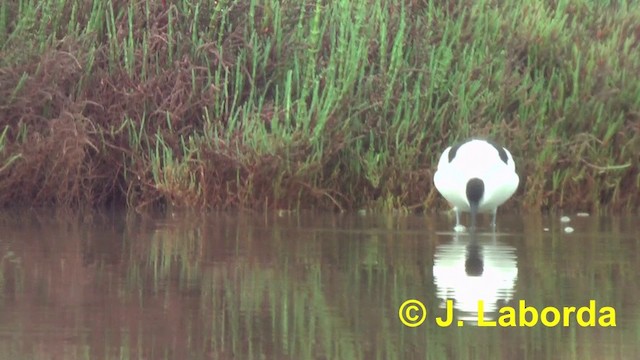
[338,105]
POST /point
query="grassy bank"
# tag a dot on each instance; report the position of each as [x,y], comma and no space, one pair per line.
[329,104]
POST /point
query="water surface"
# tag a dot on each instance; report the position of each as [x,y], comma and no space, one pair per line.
[309,286]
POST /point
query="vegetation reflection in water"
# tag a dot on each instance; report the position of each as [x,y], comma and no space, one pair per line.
[256,286]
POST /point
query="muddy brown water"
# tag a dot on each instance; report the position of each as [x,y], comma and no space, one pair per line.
[316,286]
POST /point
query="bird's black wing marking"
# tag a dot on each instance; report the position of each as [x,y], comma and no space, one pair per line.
[501,151]
[453,151]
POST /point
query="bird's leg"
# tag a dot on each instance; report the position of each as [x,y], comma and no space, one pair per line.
[458,227]
[493,223]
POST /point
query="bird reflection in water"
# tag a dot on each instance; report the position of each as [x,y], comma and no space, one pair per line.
[472,268]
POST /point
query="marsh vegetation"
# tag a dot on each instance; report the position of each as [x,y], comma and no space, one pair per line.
[326,104]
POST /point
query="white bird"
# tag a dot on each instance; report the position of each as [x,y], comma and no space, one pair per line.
[476,176]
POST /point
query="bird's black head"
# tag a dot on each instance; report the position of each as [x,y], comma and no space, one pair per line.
[475,191]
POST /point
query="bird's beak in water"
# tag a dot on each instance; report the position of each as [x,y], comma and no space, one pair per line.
[474,212]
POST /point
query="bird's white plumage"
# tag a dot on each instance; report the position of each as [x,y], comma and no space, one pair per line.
[479,159]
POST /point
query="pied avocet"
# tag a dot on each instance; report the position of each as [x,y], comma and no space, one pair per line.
[476,176]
